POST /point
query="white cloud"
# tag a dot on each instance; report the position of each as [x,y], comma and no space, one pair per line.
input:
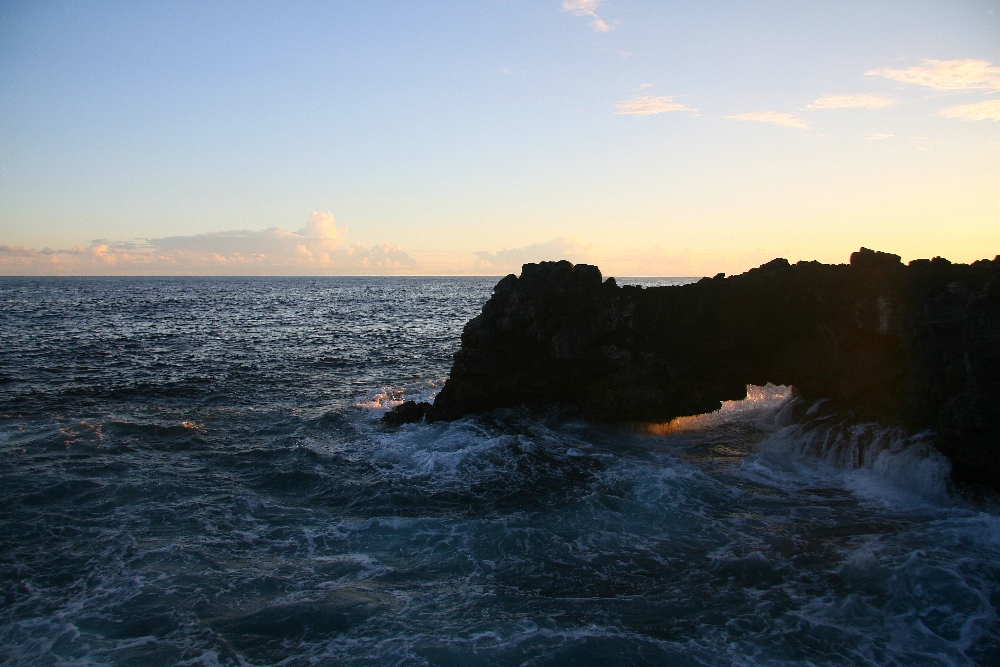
[878,136]
[967,74]
[988,110]
[318,248]
[319,234]
[773,117]
[589,8]
[855,101]
[649,104]
[581,7]
[322,227]
[513,258]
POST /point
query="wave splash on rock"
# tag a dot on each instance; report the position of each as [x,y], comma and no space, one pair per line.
[916,346]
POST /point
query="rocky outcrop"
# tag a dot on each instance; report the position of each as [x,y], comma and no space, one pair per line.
[407,412]
[915,345]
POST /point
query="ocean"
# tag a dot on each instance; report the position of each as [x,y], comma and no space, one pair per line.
[193,472]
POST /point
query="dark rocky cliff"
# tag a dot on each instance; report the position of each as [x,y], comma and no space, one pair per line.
[915,345]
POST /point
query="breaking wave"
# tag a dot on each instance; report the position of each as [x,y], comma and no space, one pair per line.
[269,518]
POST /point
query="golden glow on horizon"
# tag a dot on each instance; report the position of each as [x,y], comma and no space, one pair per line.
[492,151]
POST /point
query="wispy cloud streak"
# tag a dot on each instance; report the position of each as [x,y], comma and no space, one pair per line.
[773,117]
[588,8]
[513,258]
[855,101]
[965,74]
[649,104]
[988,110]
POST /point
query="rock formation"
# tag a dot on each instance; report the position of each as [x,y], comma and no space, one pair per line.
[915,345]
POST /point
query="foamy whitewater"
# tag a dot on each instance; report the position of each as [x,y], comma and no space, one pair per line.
[193,473]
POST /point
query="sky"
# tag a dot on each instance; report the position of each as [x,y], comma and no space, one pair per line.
[467,137]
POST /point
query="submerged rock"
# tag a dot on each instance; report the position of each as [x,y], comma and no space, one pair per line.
[408,412]
[916,345]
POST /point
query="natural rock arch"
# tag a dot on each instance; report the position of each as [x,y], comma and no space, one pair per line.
[915,345]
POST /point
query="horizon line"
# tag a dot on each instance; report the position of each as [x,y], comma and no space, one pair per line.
[291,275]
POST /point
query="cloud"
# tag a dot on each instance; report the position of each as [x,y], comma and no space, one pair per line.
[556,249]
[320,234]
[320,247]
[649,104]
[589,8]
[988,110]
[855,101]
[967,74]
[322,227]
[581,7]
[18,251]
[783,119]
[658,260]
[878,136]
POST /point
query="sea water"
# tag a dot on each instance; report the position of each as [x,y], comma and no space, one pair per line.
[193,472]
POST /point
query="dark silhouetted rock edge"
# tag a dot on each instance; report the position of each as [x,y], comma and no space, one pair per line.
[916,345]
[407,412]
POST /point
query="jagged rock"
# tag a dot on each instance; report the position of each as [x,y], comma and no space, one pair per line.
[407,412]
[915,345]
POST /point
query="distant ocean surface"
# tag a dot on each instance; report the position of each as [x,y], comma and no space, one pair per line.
[192,472]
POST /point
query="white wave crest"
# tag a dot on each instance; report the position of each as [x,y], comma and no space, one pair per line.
[763,407]
[877,461]
[386,398]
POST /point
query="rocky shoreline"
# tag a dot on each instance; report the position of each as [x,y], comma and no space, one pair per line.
[913,345]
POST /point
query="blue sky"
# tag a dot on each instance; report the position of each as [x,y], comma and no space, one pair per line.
[465,137]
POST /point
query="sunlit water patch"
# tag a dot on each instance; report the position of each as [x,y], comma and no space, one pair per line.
[194,473]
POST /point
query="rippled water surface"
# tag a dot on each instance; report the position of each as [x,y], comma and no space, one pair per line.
[193,472]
